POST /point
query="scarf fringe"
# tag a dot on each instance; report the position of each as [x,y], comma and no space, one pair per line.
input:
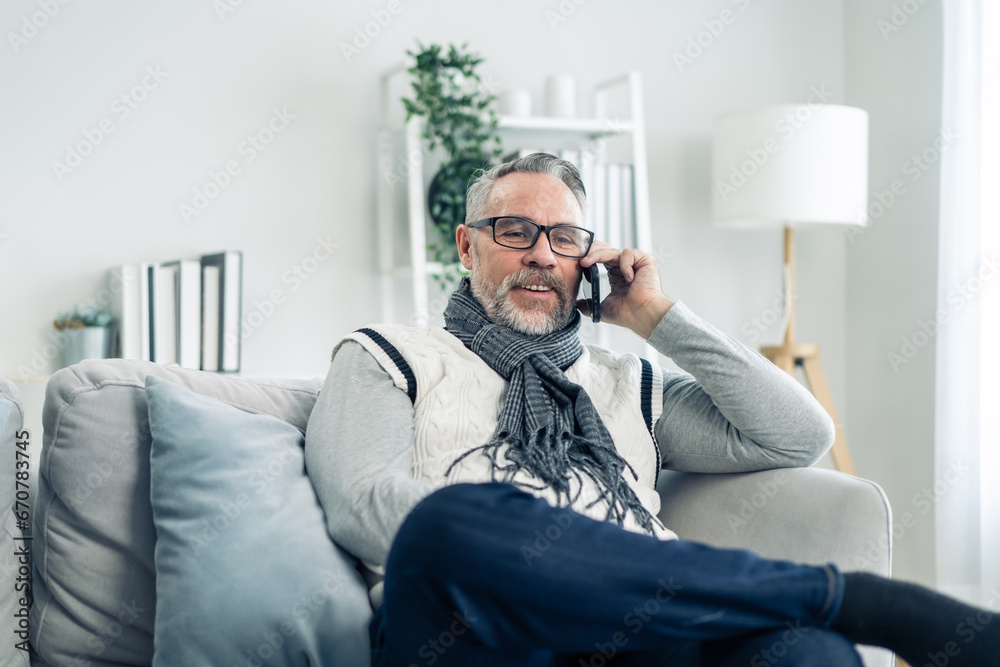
[537,460]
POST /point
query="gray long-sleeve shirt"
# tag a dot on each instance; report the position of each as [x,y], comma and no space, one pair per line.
[732,411]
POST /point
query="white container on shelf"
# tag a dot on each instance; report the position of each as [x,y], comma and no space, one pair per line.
[560,96]
[516,102]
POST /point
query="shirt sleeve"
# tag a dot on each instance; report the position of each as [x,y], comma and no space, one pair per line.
[358,450]
[732,410]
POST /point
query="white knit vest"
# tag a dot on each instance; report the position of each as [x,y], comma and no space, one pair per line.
[457,399]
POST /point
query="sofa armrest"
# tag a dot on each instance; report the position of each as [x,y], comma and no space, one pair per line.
[809,515]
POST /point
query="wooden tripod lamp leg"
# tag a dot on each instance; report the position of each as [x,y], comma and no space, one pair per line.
[788,355]
[785,362]
[821,390]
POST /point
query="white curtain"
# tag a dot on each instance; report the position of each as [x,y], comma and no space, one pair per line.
[989,422]
[966,492]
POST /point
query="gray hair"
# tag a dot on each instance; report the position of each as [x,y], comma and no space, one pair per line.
[537,163]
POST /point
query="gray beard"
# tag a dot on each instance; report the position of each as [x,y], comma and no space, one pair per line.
[501,309]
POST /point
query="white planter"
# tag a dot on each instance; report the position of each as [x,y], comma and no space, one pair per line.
[86,343]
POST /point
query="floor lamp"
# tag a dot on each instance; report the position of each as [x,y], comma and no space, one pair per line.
[792,167]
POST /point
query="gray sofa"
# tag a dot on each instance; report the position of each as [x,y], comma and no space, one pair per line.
[94,535]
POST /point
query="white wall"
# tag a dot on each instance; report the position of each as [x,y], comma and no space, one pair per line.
[317,178]
[891,268]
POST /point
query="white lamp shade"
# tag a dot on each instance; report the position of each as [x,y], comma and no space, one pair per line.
[790,165]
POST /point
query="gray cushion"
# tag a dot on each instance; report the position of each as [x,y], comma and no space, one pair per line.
[245,571]
[94,578]
[11,419]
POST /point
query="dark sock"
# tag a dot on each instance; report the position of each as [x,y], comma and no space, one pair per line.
[921,625]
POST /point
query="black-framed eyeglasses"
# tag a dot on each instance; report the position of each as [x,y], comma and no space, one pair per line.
[521,233]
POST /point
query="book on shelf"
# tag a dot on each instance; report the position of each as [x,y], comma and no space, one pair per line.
[586,167]
[211,306]
[599,199]
[187,304]
[184,312]
[230,268]
[146,311]
[628,206]
[163,292]
[126,308]
[131,309]
[614,204]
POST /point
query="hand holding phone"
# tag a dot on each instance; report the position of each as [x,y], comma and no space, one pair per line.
[593,276]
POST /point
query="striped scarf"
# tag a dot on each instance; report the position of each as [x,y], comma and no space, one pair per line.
[549,424]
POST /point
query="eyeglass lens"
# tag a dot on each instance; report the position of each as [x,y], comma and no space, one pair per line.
[518,233]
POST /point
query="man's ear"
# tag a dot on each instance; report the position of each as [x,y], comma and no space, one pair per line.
[463,239]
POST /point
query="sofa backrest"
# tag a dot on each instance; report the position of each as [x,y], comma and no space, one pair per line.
[94,575]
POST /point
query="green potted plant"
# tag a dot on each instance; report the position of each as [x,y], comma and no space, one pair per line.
[87,334]
[449,95]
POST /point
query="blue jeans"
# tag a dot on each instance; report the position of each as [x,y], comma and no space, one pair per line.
[487,574]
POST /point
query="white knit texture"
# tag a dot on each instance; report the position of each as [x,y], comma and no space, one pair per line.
[459,399]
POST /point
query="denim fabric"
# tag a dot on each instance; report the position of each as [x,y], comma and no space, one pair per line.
[487,574]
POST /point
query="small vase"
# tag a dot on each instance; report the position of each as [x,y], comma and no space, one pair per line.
[86,343]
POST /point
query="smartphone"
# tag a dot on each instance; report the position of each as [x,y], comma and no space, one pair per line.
[592,275]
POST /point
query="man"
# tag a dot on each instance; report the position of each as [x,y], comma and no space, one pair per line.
[441,455]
